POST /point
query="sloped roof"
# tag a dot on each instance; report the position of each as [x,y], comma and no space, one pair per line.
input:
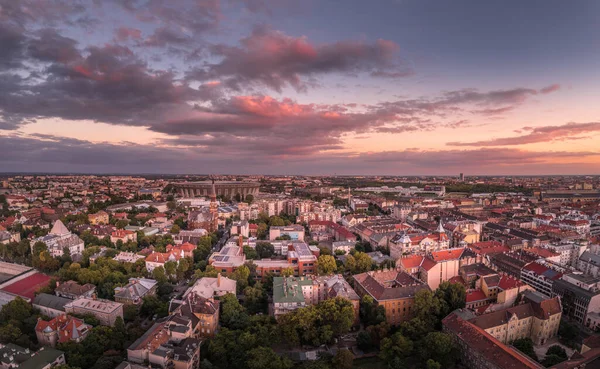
[59,229]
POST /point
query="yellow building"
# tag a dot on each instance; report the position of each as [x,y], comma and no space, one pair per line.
[538,318]
[100,217]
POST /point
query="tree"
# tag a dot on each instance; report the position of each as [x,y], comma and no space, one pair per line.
[255,298]
[130,312]
[525,345]
[440,347]
[265,250]
[204,248]
[276,221]
[452,296]
[394,348]
[249,198]
[287,272]
[326,265]
[153,305]
[250,253]
[159,274]
[432,364]
[122,223]
[554,355]
[233,314]
[241,276]
[364,341]
[343,359]
[370,312]
[266,358]
[175,229]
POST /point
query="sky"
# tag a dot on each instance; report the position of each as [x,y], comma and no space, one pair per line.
[315,87]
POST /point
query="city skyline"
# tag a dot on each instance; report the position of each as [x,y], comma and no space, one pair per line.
[401,87]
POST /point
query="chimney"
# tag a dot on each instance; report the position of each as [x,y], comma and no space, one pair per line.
[219,280]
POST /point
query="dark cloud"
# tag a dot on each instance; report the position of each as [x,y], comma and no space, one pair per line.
[11,45]
[195,16]
[124,34]
[52,47]
[58,154]
[273,59]
[569,131]
[167,37]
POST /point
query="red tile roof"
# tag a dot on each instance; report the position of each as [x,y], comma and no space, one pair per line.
[412,261]
[488,347]
[450,254]
[475,295]
[508,282]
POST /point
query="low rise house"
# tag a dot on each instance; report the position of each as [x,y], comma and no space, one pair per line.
[105,311]
[73,290]
[202,312]
[213,287]
[63,328]
[134,292]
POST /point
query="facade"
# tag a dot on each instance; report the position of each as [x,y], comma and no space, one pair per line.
[291,293]
[228,189]
[63,328]
[538,319]
[580,297]
[392,289]
[105,311]
[134,292]
[540,277]
[589,263]
[60,238]
[73,290]
[436,267]
[480,350]
[203,313]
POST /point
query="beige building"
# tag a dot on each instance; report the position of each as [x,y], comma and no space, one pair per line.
[100,217]
[105,311]
[538,319]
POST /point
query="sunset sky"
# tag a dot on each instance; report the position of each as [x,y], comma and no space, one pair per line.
[400,87]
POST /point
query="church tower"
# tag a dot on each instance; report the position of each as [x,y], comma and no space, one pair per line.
[214,208]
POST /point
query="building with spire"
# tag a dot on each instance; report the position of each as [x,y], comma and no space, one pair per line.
[213,209]
[60,238]
[63,328]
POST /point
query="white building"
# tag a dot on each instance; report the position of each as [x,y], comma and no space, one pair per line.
[59,238]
